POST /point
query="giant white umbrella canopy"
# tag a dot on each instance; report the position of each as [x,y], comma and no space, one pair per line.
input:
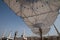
[36,13]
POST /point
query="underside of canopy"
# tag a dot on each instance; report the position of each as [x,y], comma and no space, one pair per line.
[36,13]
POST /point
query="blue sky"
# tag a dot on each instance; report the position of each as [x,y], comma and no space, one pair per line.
[9,22]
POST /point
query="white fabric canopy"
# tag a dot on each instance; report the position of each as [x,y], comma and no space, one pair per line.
[42,13]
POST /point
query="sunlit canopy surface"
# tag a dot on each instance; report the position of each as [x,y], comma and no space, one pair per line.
[36,13]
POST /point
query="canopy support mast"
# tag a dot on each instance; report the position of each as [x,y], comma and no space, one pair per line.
[40,33]
[56,30]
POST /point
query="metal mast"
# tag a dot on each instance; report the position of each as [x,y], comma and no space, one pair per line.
[56,30]
[40,33]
